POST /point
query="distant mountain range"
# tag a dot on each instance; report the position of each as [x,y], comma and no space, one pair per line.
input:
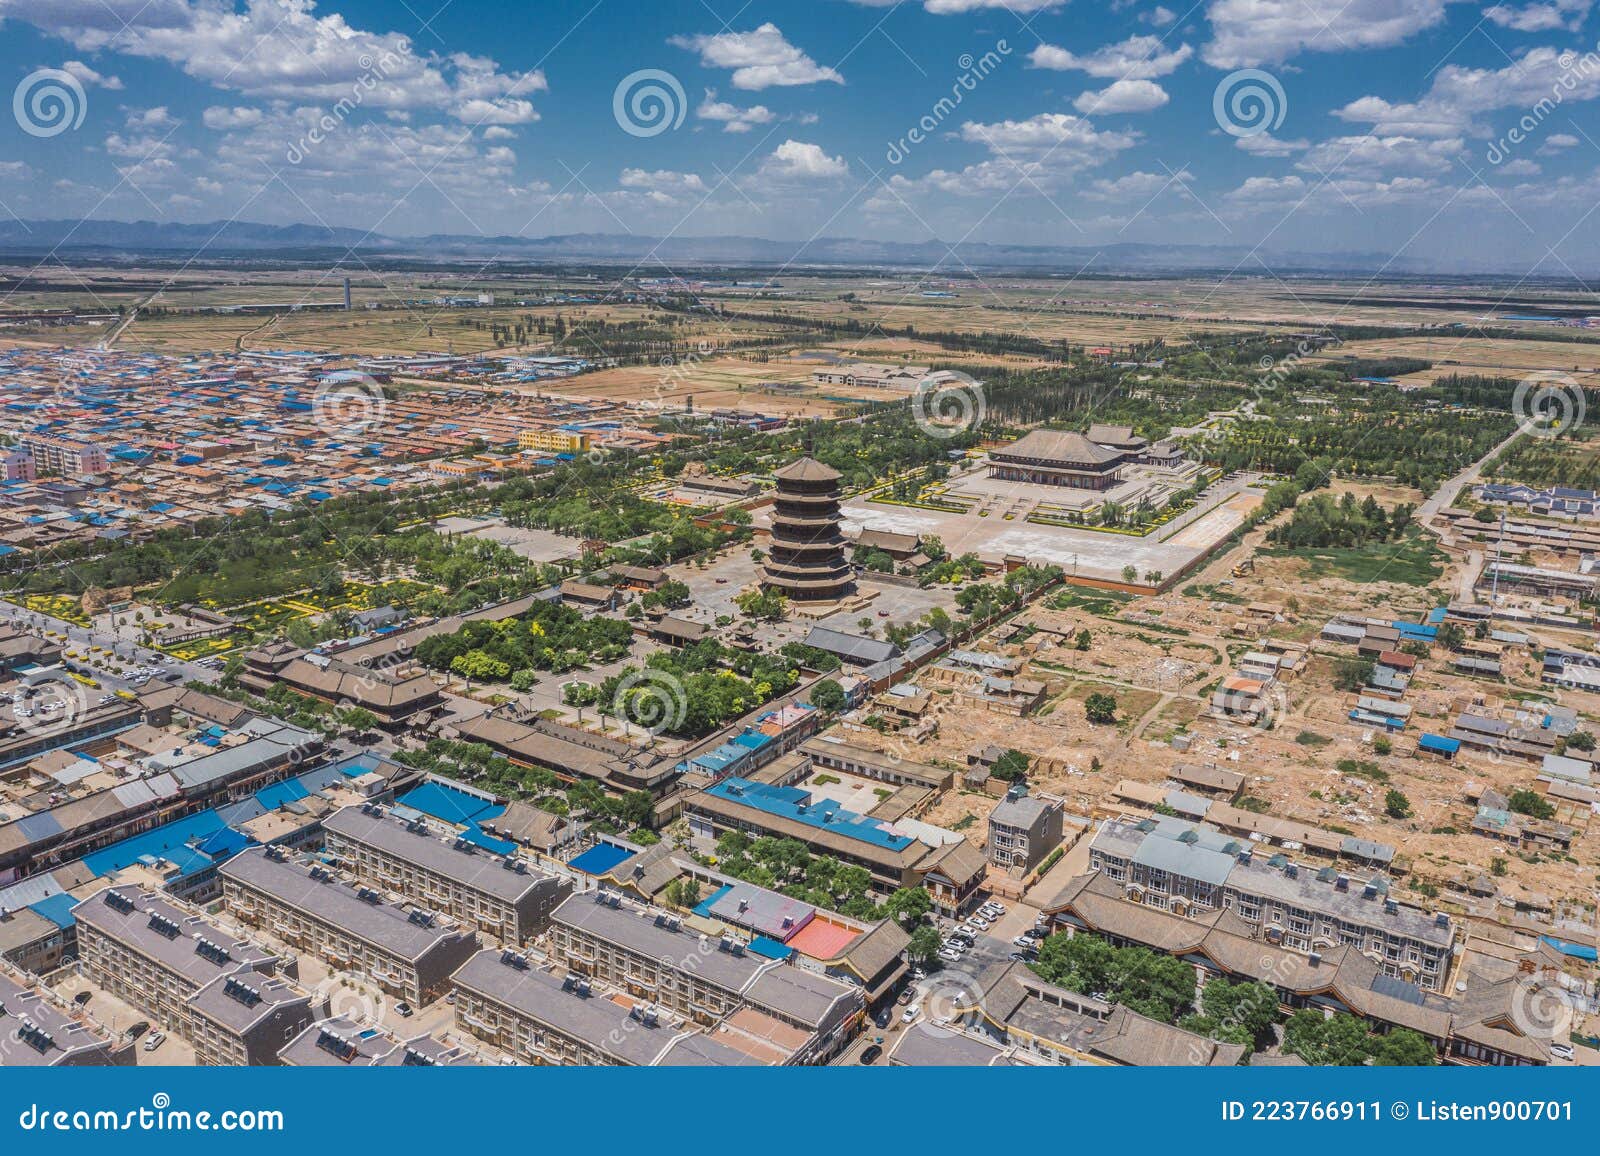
[243,239]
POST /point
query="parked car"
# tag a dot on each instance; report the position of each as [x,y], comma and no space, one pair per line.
[911,1013]
[403,1010]
[870,1054]
[884,1018]
[905,997]
[155,1041]
[1561,1051]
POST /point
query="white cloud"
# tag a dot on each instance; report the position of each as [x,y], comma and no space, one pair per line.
[283,49]
[1460,99]
[1521,167]
[1138,187]
[760,59]
[498,132]
[1253,33]
[10,170]
[88,77]
[662,181]
[1159,16]
[148,119]
[731,116]
[1545,17]
[1380,156]
[1123,96]
[797,160]
[230,119]
[1264,144]
[1136,58]
[1556,142]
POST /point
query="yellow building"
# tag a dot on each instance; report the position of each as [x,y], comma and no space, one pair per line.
[559,441]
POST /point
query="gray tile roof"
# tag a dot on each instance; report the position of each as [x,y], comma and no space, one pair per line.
[383,924]
[593,1019]
[478,868]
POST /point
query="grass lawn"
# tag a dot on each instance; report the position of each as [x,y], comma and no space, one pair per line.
[1413,561]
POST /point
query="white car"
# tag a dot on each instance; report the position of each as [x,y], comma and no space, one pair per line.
[1561,1051]
[911,1013]
[979,922]
[997,908]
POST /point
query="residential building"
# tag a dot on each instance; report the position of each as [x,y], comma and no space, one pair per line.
[215,990]
[340,1042]
[545,1018]
[650,954]
[1023,829]
[557,441]
[38,1031]
[65,457]
[408,951]
[1191,869]
[499,895]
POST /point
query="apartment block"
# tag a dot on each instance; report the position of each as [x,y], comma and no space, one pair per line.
[37,1031]
[408,951]
[65,457]
[560,441]
[340,1042]
[210,987]
[500,896]
[545,1018]
[1023,829]
[1191,869]
[648,954]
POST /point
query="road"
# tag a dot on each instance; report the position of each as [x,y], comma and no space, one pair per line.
[80,638]
[1445,496]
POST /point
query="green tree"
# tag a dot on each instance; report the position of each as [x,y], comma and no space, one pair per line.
[1083,640]
[1011,766]
[1396,805]
[1531,803]
[908,905]
[1236,1013]
[924,943]
[828,695]
[1402,1048]
[1339,1040]
[1100,708]
[1351,674]
[1580,741]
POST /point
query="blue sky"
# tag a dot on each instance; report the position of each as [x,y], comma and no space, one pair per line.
[1391,121]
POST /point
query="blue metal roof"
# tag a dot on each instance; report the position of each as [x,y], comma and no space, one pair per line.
[1439,743]
[797,805]
[600,858]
